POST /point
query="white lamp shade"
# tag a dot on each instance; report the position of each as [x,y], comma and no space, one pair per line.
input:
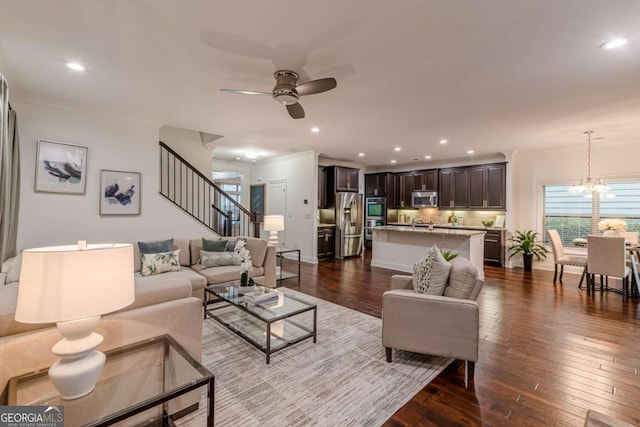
[66,283]
[274,223]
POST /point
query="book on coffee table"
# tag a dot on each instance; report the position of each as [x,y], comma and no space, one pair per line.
[261,297]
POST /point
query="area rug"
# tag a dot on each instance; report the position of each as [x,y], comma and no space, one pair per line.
[342,380]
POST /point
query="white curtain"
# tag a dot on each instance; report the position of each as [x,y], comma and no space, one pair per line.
[9,175]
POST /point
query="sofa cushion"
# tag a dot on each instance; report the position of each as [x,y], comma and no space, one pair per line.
[213,245]
[184,256]
[11,269]
[430,274]
[258,249]
[150,291]
[462,279]
[156,246]
[226,273]
[216,259]
[158,263]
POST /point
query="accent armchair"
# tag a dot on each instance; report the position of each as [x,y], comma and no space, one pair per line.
[431,324]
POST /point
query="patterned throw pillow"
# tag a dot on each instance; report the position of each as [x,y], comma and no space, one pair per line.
[155,246]
[431,273]
[213,245]
[160,262]
[216,259]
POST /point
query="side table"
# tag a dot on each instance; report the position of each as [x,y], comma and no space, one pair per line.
[140,378]
[287,274]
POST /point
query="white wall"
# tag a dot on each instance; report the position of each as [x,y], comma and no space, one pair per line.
[300,173]
[188,144]
[531,169]
[114,142]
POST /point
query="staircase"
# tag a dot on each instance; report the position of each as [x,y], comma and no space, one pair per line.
[198,196]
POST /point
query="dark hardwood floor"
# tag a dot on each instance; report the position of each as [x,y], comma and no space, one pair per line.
[548,353]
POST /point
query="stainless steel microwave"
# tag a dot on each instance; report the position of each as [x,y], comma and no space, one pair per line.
[424,199]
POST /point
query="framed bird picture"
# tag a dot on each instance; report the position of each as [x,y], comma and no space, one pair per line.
[60,168]
[119,193]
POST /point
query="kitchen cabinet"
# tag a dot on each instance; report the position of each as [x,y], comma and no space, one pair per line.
[487,187]
[425,180]
[322,187]
[402,188]
[345,179]
[493,251]
[473,187]
[378,184]
[453,189]
[326,242]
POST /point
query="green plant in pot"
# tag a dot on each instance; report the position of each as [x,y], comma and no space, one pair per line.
[525,243]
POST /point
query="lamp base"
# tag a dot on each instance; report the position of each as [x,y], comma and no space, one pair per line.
[273,238]
[75,374]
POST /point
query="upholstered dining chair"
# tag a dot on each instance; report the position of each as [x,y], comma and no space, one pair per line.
[607,257]
[560,259]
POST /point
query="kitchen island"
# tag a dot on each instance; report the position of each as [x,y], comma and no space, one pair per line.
[398,248]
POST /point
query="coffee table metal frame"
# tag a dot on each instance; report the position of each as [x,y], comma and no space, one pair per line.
[228,293]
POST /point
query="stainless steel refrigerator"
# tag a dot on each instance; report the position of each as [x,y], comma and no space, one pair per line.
[349,224]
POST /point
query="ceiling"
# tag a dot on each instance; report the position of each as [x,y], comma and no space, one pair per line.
[491,76]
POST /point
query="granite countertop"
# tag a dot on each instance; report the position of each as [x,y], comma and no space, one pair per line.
[458,227]
[326,225]
[448,231]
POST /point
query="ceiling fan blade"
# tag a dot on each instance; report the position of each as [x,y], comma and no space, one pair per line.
[316,86]
[296,111]
[245,92]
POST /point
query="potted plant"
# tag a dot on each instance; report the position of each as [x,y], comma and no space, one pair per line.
[525,244]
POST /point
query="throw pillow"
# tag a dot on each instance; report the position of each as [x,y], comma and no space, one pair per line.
[430,274]
[216,259]
[213,245]
[231,246]
[160,262]
[156,246]
[462,279]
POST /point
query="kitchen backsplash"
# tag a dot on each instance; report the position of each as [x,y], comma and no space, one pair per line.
[468,218]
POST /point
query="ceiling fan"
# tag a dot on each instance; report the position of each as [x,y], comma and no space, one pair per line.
[287,91]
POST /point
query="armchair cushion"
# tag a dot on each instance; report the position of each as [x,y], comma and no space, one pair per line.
[430,274]
[462,279]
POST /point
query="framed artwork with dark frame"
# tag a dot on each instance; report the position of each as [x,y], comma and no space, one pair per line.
[119,193]
[60,168]
[257,199]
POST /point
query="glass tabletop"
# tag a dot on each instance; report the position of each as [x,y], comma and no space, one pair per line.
[282,307]
[133,377]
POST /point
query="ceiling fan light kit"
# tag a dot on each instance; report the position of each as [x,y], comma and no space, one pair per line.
[287,91]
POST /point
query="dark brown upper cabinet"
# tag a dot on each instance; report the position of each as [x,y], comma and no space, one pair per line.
[473,187]
[378,184]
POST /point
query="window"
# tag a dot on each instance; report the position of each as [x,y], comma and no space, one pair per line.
[576,215]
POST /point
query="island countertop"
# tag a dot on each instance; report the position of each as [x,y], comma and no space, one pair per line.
[445,231]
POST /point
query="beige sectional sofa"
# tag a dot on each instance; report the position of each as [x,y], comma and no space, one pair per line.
[190,280]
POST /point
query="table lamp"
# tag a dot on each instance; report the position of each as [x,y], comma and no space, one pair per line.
[273,224]
[73,286]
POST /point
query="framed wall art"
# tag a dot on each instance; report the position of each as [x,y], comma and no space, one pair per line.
[60,168]
[119,193]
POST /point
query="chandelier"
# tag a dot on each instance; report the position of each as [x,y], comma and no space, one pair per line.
[588,184]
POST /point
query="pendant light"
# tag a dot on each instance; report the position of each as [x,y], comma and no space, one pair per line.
[588,184]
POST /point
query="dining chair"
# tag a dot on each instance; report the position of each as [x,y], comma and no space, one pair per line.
[560,259]
[607,257]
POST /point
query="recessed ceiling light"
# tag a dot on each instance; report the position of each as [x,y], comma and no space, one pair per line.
[443,141]
[393,161]
[315,129]
[360,154]
[612,44]
[75,66]
[397,149]
[237,158]
[470,151]
[427,157]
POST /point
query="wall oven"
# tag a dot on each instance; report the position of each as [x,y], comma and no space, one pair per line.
[376,215]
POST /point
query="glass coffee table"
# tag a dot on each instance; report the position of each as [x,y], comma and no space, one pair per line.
[269,327]
[139,383]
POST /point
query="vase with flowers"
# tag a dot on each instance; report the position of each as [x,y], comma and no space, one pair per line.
[246,283]
[612,227]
